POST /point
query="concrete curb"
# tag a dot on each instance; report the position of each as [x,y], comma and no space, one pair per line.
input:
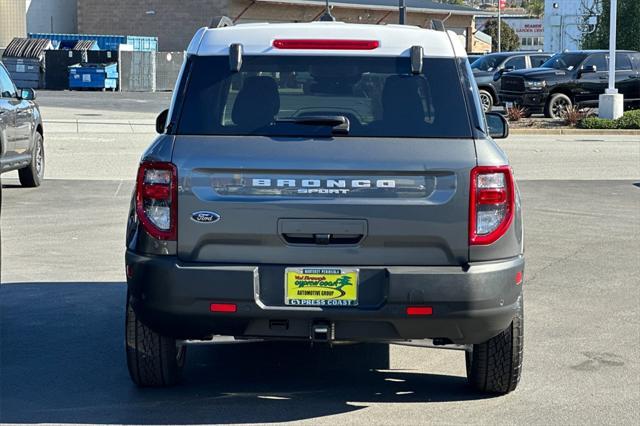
[595,132]
[99,126]
[148,126]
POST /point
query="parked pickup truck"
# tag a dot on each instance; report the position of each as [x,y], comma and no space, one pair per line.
[572,78]
[489,70]
[367,204]
[21,132]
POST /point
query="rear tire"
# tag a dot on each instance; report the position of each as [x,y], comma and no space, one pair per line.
[495,366]
[486,100]
[153,360]
[32,175]
[557,106]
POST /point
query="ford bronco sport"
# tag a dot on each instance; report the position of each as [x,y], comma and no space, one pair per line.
[326,182]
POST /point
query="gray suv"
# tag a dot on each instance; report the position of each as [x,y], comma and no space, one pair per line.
[21,132]
[326,190]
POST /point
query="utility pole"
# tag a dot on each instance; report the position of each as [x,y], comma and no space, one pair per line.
[500,4]
[402,10]
[611,103]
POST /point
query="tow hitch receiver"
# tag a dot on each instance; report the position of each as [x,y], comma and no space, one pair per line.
[321,331]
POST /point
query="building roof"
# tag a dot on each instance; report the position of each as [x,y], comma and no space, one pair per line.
[258,39]
[423,6]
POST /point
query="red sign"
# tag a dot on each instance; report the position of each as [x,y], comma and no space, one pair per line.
[502,4]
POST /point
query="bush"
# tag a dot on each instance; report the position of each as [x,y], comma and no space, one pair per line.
[515,113]
[574,114]
[630,120]
[596,123]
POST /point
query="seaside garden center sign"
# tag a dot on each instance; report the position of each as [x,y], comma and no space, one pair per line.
[530,31]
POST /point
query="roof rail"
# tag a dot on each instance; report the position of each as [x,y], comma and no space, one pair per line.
[437,24]
[220,22]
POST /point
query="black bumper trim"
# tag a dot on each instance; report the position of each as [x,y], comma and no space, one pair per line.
[470,305]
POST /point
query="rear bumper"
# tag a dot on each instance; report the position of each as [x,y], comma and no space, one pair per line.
[533,101]
[470,305]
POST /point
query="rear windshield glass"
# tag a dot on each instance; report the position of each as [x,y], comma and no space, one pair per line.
[309,96]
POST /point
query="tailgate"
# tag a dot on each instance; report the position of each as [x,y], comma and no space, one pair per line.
[342,201]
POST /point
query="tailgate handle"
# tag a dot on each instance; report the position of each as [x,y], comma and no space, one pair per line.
[322,232]
[323,239]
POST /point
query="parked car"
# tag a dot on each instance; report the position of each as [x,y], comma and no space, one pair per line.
[489,69]
[374,206]
[572,78]
[472,57]
[21,132]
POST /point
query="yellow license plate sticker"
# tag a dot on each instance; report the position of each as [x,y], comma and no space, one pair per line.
[321,287]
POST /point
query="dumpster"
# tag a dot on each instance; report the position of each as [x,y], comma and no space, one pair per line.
[93,76]
[56,76]
[104,42]
[24,59]
[102,56]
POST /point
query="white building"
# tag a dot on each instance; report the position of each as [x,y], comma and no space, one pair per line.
[51,16]
[530,31]
[566,22]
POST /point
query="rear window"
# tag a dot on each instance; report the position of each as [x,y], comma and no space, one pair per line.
[271,95]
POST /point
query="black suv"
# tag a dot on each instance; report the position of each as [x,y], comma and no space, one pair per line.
[572,78]
[488,71]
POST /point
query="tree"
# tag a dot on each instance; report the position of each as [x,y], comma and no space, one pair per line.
[628,27]
[509,39]
[535,7]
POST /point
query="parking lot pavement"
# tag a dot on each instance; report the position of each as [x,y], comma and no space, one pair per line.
[62,309]
[62,317]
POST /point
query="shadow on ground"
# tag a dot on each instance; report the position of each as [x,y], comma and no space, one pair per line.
[62,361]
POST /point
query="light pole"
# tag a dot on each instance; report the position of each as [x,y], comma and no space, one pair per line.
[611,103]
[499,26]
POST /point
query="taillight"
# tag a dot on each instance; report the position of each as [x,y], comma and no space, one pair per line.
[157,199]
[492,203]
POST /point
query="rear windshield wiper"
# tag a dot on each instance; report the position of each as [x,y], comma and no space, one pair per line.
[340,123]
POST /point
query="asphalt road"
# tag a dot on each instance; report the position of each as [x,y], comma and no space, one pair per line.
[62,309]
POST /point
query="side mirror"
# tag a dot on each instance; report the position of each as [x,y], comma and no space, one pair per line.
[501,71]
[497,124]
[161,121]
[27,94]
[587,70]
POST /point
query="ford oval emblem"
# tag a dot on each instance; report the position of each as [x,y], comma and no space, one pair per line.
[205,217]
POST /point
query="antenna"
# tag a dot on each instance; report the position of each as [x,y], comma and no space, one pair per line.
[327,16]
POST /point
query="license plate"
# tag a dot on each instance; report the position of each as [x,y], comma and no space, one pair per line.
[508,105]
[321,286]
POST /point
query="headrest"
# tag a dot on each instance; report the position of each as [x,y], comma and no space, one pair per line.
[257,103]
